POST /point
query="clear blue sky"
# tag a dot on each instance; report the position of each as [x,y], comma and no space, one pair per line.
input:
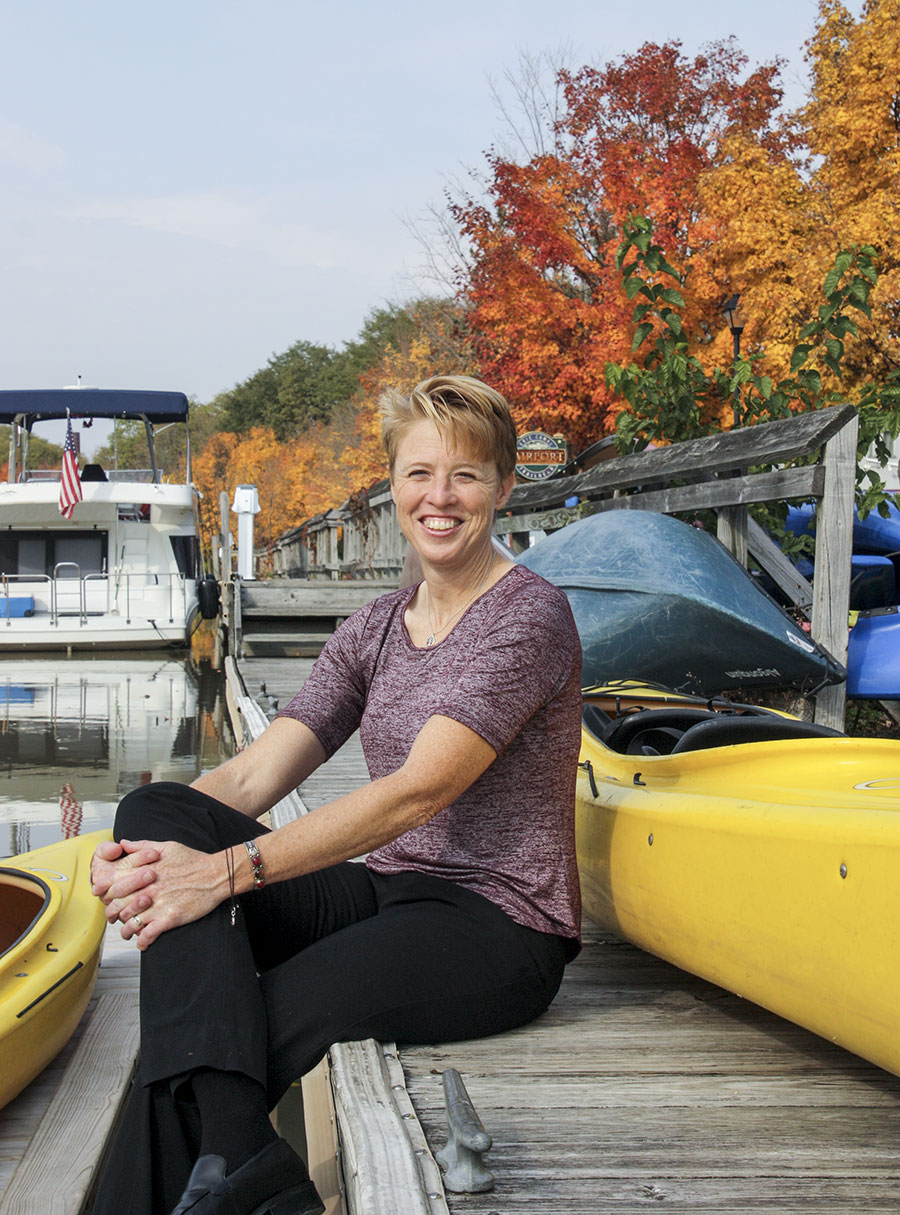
[191,186]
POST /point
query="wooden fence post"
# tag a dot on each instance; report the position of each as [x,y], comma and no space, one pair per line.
[731,530]
[225,523]
[834,547]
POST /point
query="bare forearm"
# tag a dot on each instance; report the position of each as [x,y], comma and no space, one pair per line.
[348,827]
[225,785]
[444,760]
[266,771]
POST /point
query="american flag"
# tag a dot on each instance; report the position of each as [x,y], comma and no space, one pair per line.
[72,811]
[70,482]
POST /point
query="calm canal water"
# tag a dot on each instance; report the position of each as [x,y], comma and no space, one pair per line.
[77,733]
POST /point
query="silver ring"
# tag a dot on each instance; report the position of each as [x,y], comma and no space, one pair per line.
[137,919]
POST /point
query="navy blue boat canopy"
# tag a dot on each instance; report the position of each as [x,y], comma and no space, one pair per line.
[48,404]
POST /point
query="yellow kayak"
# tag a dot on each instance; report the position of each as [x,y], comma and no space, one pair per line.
[751,849]
[51,935]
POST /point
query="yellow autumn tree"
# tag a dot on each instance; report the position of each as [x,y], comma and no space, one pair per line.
[254,458]
[783,219]
[335,460]
[853,125]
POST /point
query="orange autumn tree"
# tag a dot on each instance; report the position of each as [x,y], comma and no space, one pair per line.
[846,194]
[547,311]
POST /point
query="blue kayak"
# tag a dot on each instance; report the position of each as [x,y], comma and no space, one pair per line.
[875,534]
[656,599]
[873,656]
[873,653]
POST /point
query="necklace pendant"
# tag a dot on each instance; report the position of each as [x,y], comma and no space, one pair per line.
[430,640]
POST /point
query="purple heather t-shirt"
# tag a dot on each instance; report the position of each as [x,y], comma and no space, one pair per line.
[511,671]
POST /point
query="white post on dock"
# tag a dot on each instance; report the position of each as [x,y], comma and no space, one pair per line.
[245,506]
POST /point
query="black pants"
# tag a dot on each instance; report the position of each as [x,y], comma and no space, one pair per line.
[335,956]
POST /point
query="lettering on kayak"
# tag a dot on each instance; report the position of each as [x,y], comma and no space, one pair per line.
[759,673]
[50,873]
[801,643]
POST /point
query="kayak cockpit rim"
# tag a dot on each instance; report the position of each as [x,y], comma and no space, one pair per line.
[18,880]
[659,723]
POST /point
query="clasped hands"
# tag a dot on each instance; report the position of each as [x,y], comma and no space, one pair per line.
[150,887]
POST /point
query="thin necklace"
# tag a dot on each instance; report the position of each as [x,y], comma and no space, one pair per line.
[429,640]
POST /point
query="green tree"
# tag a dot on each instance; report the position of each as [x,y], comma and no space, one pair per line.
[671,396]
[41,453]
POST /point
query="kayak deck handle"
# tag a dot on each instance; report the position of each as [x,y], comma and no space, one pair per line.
[589,768]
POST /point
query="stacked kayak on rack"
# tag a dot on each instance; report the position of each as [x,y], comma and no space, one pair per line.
[657,599]
[873,651]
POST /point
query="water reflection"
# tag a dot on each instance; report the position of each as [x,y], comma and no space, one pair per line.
[78,733]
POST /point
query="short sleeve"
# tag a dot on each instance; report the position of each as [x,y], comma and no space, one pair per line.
[333,696]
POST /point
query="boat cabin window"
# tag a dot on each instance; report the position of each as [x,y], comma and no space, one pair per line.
[34,554]
[187,555]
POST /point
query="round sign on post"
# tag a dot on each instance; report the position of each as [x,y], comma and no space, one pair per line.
[539,455]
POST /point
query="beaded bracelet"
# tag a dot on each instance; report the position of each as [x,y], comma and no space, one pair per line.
[259,873]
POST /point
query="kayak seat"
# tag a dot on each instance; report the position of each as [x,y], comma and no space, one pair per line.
[595,719]
[626,734]
[734,730]
[659,741]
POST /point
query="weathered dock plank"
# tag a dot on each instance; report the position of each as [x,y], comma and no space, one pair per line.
[58,1169]
[643,1084]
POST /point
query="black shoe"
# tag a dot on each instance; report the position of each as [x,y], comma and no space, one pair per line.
[273,1182]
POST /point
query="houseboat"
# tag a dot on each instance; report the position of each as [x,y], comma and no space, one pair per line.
[99,558]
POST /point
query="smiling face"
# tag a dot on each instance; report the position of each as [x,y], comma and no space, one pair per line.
[445,496]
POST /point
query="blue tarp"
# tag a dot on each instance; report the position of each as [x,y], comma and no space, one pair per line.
[40,404]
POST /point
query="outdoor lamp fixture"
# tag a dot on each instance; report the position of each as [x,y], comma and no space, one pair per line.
[729,310]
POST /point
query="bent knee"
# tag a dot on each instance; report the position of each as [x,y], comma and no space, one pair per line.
[149,811]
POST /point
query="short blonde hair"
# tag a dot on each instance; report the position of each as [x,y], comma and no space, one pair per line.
[463,408]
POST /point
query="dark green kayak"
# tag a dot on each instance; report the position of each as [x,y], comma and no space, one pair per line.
[656,599]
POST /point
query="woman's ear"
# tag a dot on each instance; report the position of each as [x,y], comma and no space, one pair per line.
[506,488]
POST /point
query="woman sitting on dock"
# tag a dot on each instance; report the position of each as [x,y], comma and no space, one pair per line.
[260,949]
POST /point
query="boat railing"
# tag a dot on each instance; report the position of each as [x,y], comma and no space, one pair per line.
[67,593]
[55,611]
[129,589]
[143,476]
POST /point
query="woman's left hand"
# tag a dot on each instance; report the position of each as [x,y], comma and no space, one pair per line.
[188,886]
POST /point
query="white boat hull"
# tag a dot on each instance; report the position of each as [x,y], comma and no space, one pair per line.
[95,633]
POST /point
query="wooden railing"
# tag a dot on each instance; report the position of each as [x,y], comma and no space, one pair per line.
[361,539]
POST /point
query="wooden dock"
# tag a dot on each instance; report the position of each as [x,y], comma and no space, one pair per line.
[642,1086]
